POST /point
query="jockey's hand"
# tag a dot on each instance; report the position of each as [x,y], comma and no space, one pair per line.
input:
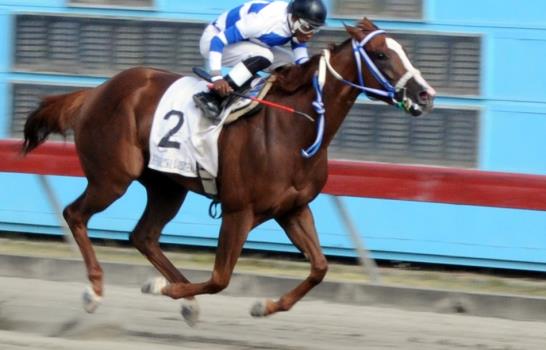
[222,87]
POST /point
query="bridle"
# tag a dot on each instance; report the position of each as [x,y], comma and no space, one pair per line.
[395,92]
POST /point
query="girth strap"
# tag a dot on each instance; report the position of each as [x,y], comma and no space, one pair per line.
[208,181]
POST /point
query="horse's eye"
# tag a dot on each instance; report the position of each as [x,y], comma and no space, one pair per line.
[380,55]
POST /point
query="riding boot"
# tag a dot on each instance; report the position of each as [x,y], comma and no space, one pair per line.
[212,104]
[238,78]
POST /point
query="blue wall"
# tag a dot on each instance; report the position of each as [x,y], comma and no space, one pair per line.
[512,129]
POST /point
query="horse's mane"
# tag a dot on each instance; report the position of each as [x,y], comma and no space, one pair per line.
[289,79]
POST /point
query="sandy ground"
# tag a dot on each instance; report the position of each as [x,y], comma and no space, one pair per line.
[39,314]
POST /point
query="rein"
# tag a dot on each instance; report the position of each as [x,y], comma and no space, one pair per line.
[318,105]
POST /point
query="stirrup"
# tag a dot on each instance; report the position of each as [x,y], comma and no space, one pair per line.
[207,103]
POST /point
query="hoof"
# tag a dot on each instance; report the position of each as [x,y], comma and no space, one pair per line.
[91,300]
[154,285]
[190,311]
[258,309]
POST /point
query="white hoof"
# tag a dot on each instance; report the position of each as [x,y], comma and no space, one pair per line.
[154,285]
[190,311]
[258,309]
[91,300]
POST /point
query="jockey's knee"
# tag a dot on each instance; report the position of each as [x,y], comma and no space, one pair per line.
[243,71]
[258,63]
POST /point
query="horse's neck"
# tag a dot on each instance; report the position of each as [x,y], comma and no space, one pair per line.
[338,97]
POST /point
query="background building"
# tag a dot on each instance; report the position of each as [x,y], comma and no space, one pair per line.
[485,59]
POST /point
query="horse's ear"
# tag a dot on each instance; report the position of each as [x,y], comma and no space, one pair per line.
[367,23]
[354,32]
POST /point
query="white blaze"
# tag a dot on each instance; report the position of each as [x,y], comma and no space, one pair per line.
[411,72]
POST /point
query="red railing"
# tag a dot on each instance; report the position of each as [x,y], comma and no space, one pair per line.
[362,179]
[437,184]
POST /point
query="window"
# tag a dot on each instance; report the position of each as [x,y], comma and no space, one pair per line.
[26,97]
[395,9]
[112,3]
[102,47]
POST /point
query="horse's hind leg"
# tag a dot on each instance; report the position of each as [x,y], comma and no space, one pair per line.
[94,199]
[164,200]
[300,228]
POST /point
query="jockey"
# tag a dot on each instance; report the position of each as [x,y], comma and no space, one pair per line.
[249,38]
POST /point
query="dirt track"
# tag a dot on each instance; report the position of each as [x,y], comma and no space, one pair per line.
[37,314]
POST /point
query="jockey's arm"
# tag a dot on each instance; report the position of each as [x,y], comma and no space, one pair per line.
[300,52]
[229,36]
[250,26]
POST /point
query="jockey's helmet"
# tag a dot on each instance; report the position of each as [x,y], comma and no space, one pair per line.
[312,14]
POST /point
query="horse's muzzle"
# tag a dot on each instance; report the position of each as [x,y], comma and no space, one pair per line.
[423,103]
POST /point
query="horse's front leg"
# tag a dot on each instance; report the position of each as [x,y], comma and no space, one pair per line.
[300,228]
[233,233]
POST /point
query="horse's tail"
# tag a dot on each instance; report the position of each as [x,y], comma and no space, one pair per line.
[55,114]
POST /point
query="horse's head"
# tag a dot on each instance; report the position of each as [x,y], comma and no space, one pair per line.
[387,72]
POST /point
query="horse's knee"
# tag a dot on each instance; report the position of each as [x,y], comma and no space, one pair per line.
[71,218]
[318,271]
[66,214]
[141,243]
[217,284]
[136,242]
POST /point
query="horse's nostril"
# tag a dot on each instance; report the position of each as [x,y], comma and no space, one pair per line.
[424,97]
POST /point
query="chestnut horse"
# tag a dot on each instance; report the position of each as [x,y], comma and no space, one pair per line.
[263,173]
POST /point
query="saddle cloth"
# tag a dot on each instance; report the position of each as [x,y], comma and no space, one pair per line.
[182,141]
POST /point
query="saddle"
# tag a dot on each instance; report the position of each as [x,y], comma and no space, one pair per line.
[243,103]
[241,106]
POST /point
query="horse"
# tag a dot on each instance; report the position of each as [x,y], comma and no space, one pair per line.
[266,168]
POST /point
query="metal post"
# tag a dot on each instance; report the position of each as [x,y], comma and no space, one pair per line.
[53,201]
[364,255]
